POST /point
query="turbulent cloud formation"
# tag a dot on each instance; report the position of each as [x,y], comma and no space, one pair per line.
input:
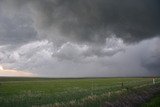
[93,21]
[80,38]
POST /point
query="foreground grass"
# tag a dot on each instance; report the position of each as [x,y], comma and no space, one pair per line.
[155,102]
[27,92]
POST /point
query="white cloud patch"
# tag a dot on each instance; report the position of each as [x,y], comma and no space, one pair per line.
[71,51]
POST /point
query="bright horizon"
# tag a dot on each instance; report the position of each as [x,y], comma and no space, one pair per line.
[12,73]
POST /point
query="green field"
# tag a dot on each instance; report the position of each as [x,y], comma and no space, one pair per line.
[154,102]
[82,92]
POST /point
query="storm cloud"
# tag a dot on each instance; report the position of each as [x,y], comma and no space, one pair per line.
[81,37]
[93,21]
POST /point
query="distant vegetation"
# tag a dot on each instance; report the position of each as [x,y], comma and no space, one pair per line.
[48,92]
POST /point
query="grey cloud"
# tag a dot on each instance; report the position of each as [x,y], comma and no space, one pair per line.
[151,59]
[91,20]
[94,20]
[136,60]
[33,53]
[15,26]
[15,33]
[74,51]
[26,56]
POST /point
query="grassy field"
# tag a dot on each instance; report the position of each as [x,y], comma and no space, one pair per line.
[155,102]
[84,92]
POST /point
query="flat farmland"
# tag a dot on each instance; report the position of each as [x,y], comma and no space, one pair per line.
[64,92]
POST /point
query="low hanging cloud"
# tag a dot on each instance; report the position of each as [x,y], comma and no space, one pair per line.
[45,59]
[73,51]
[151,59]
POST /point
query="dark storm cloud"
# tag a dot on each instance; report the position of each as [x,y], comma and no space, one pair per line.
[132,20]
[94,20]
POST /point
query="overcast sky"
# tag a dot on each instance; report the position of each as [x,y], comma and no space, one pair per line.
[80,38]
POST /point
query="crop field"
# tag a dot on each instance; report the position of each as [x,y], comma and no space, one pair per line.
[49,92]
